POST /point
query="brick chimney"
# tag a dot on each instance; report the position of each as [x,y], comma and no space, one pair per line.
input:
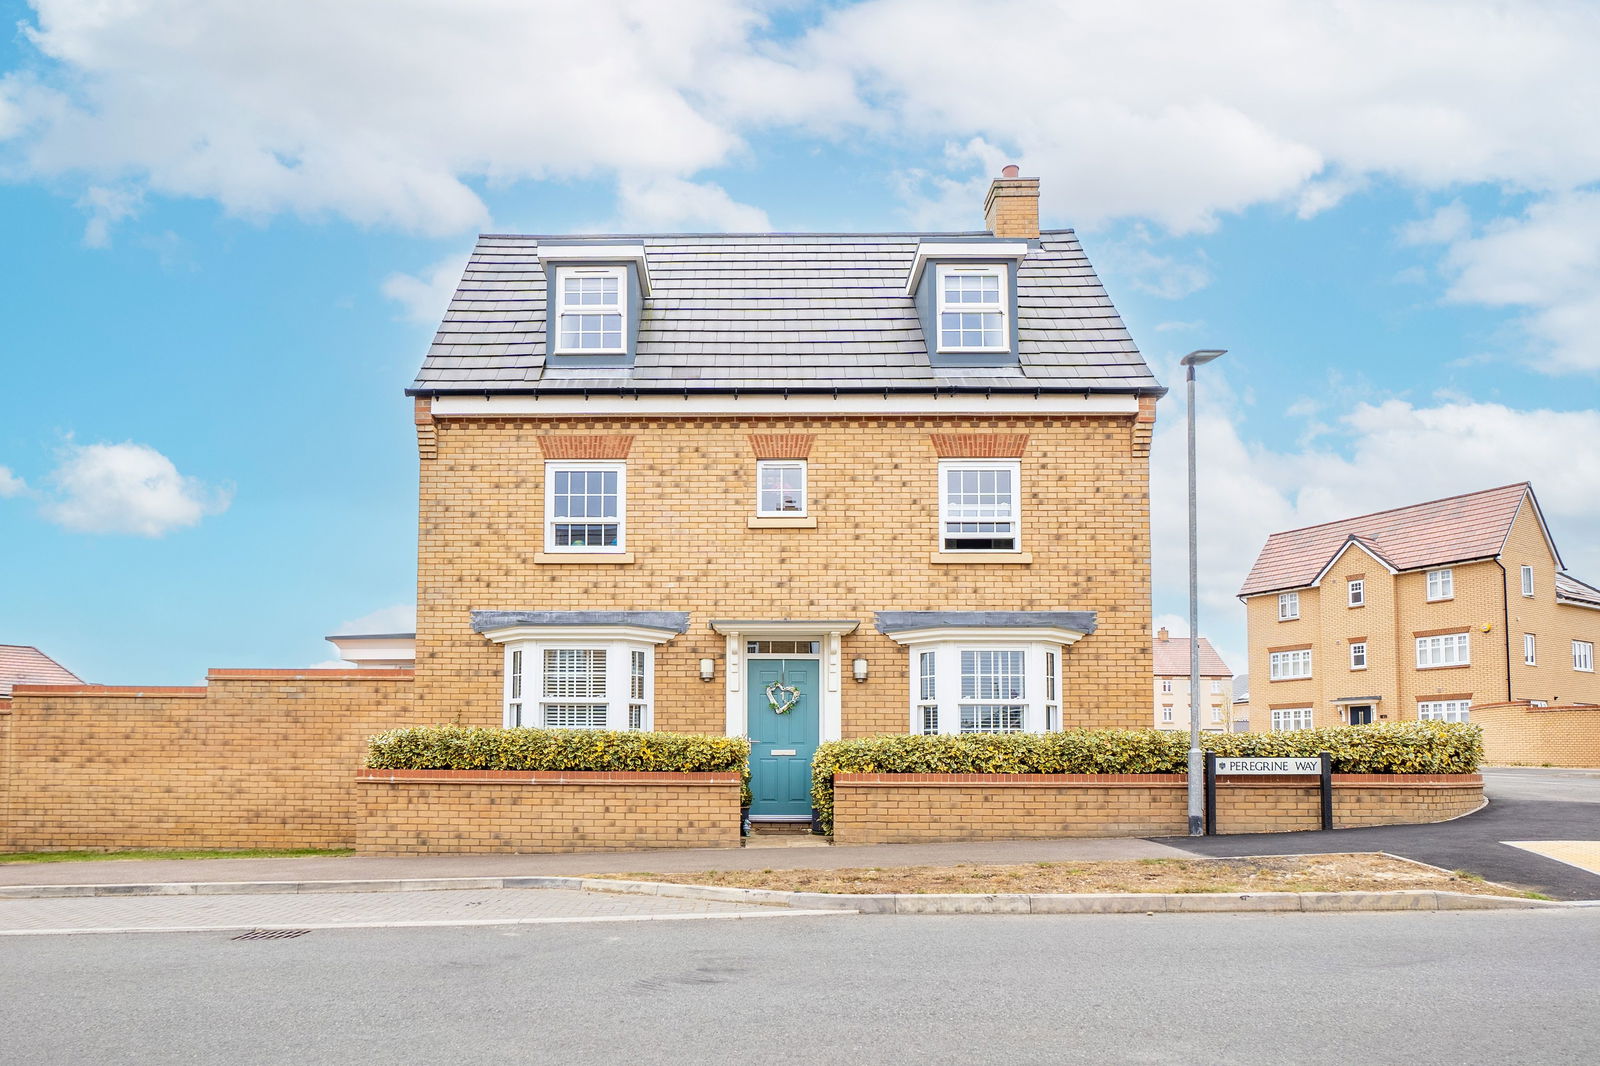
[1161,634]
[1012,207]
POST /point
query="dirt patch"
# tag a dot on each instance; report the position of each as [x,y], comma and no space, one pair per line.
[1279,873]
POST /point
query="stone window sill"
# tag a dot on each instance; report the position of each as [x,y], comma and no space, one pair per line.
[790,522]
[585,558]
[990,558]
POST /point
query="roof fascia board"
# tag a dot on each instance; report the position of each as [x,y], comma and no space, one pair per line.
[599,252]
[1352,542]
[933,251]
[776,403]
[1544,528]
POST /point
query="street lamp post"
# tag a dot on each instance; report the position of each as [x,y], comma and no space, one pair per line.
[1197,815]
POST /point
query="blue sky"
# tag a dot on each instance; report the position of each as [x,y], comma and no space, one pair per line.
[226,240]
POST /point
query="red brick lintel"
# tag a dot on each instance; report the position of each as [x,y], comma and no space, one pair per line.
[1146,780]
[542,777]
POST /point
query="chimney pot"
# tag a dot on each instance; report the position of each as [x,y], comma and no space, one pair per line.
[1009,171]
[1161,634]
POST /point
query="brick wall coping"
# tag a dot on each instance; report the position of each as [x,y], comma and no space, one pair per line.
[351,674]
[1519,706]
[366,775]
[197,691]
[1148,780]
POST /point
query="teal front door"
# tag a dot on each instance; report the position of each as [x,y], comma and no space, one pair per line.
[781,745]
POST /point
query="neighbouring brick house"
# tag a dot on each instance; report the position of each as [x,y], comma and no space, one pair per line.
[1172,699]
[881,482]
[1419,612]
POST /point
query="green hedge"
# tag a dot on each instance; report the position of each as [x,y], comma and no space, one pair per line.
[1389,748]
[455,747]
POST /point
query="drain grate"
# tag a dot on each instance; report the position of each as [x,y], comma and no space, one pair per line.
[272,934]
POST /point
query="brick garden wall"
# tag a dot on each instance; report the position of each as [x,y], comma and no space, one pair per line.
[911,808]
[419,812]
[873,488]
[252,759]
[1519,735]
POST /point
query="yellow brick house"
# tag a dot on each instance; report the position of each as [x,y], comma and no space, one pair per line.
[1418,613]
[791,486]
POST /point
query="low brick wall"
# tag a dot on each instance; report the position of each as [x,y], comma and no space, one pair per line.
[253,758]
[911,808]
[420,812]
[1515,734]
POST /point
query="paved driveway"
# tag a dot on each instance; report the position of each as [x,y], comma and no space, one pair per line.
[1524,805]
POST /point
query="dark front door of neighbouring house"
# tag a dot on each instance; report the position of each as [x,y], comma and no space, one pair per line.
[1361,714]
[782,738]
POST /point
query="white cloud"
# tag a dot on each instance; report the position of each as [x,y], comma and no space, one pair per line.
[126,488]
[1546,262]
[11,484]
[105,208]
[1373,456]
[397,618]
[425,298]
[657,203]
[379,112]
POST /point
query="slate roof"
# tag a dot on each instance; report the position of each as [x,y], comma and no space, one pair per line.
[669,621]
[1172,658]
[901,621]
[21,664]
[774,311]
[1569,588]
[1452,530]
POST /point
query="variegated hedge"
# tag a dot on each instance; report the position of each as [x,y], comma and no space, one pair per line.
[1389,748]
[454,747]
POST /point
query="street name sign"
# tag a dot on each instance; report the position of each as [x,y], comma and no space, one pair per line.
[1268,766]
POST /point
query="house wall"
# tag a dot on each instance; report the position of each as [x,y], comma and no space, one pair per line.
[1216,710]
[1515,734]
[251,759]
[912,808]
[1554,625]
[873,487]
[424,812]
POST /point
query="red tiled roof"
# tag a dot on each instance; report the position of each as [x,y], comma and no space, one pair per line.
[24,665]
[1473,526]
[1172,658]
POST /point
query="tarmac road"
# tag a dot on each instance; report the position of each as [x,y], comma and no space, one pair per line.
[1524,804]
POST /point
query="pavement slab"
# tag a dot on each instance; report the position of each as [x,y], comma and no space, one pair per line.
[188,913]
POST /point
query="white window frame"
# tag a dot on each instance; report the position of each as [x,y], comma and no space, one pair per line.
[1041,693]
[1358,655]
[1166,684]
[1014,468]
[1530,650]
[1441,584]
[1443,710]
[1527,581]
[525,697]
[1583,656]
[1288,606]
[560,310]
[1444,650]
[999,307]
[1280,663]
[1166,713]
[1290,719]
[1357,590]
[1216,714]
[763,465]
[1216,686]
[551,468]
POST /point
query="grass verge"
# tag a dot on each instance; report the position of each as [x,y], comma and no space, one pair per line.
[1279,873]
[9,857]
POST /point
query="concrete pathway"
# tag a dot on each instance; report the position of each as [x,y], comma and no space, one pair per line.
[125,914]
[357,868]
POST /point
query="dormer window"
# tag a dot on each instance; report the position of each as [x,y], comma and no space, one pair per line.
[591,310]
[972,303]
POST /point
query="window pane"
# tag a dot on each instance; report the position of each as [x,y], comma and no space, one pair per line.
[574,673]
[991,718]
[574,716]
[991,675]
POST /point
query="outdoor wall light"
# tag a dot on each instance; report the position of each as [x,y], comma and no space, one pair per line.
[859,669]
[708,669]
